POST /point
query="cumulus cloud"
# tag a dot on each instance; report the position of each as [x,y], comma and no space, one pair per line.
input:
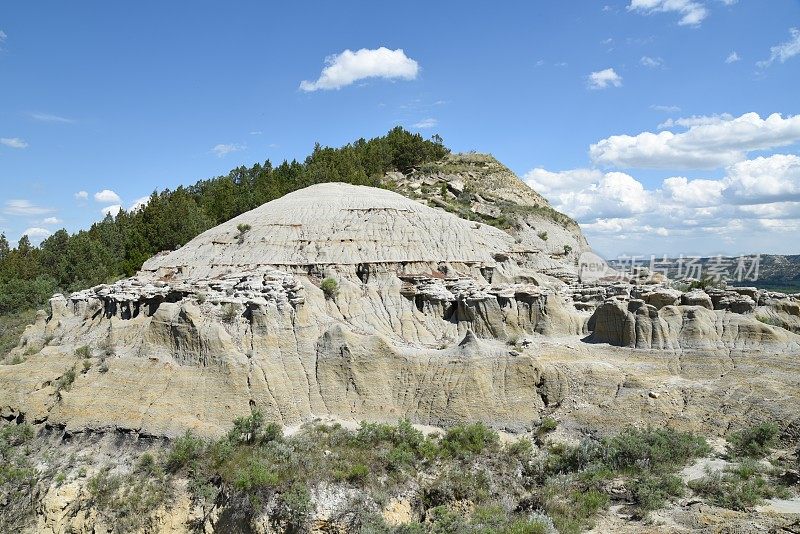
[51,220]
[37,234]
[695,193]
[107,196]
[348,67]
[81,195]
[754,200]
[552,183]
[783,51]
[733,57]
[425,123]
[692,13]
[13,142]
[24,207]
[604,78]
[764,179]
[708,143]
[223,150]
[111,210]
[139,203]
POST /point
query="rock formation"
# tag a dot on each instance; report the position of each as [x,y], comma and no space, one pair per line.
[457,297]
[362,303]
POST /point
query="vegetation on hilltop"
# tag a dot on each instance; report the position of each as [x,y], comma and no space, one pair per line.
[117,246]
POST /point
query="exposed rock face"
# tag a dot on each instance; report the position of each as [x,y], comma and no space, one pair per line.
[640,325]
[434,318]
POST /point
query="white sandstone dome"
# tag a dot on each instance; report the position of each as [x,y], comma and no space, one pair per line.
[336,223]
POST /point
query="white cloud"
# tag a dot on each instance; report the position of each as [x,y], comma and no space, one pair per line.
[551,183]
[3,36]
[603,78]
[111,210]
[256,132]
[37,234]
[764,179]
[425,123]
[616,194]
[139,203]
[107,196]
[749,207]
[696,193]
[81,195]
[223,149]
[692,13]
[651,62]
[783,51]
[708,143]
[733,57]
[695,120]
[52,220]
[13,142]
[343,69]
[48,117]
[24,207]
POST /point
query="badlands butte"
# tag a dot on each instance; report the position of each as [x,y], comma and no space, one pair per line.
[453,295]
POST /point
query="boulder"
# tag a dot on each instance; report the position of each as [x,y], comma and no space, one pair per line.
[697,297]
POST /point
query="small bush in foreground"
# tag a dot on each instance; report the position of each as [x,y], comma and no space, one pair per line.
[755,442]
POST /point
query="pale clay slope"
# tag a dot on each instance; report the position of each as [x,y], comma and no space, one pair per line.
[340,224]
[437,319]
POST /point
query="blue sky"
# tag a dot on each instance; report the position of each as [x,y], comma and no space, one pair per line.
[129,98]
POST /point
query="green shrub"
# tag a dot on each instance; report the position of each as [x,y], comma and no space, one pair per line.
[357,474]
[772,321]
[542,236]
[230,312]
[755,442]
[254,475]
[185,450]
[463,441]
[652,492]
[652,449]
[128,501]
[64,383]
[243,229]
[548,424]
[18,478]
[330,288]
[12,325]
[520,449]
[83,352]
[252,429]
[740,487]
[457,484]
[295,508]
